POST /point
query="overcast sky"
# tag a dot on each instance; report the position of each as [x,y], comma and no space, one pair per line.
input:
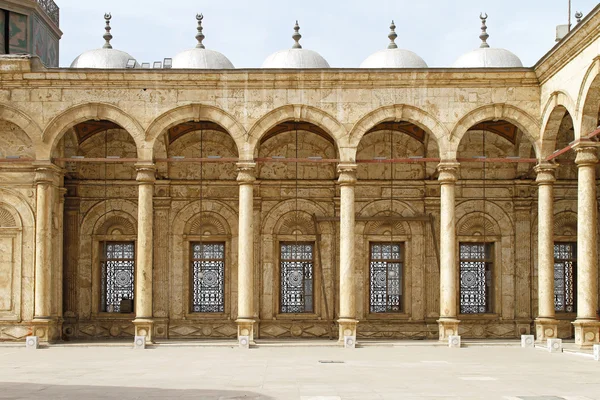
[345,32]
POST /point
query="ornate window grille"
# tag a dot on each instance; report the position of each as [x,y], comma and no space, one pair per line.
[565,272]
[297,261]
[476,262]
[118,274]
[208,277]
[386,277]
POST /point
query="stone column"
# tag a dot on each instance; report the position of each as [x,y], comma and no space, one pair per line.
[347,321]
[586,325]
[546,326]
[448,322]
[245,321]
[46,180]
[143,267]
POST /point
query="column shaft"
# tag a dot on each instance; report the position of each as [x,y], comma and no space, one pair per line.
[546,326]
[586,325]
[43,244]
[347,322]
[246,179]
[448,322]
[143,276]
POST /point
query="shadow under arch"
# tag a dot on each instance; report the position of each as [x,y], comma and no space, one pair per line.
[91,112]
[399,112]
[196,113]
[494,112]
[296,113]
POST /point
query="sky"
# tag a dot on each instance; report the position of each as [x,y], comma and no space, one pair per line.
[344,32]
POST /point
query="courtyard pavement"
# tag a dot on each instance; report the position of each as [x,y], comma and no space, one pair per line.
[298,373]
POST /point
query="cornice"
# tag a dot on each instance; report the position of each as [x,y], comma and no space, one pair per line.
[576,41]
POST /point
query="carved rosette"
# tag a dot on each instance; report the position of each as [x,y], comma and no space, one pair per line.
[448,171]
[546,173]
[587,153]
[347,174]
[246,172]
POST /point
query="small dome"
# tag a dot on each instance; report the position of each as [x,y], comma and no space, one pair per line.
[199,57]
[296,57]
[106,57]
[393,57]
[487,57]
[102,58]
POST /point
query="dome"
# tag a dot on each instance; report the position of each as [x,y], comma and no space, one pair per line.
[393,57]
[199,57]
[487,57]
[296,57]
[106,57]
[102,58]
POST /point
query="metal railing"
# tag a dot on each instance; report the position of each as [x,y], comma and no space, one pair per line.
[51,9]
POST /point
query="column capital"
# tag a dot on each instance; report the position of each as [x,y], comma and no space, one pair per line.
[448,171]
[46,172]
[347,173]
[145,172]
[587,153]
[546,173]
[246,172]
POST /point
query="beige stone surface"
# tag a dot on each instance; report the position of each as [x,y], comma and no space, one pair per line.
[55,213]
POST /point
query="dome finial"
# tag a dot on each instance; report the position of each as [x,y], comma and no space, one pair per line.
[578,16]
[484,35]
[392,35]
[200,36]
[296,36]
[107,36]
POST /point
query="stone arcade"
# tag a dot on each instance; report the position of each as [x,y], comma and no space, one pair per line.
[298,200]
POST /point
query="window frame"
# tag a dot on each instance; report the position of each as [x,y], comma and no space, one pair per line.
[98,257]
[402,261]
[186,289]
[491,310]
[316,282]
[191,260]
[571,241]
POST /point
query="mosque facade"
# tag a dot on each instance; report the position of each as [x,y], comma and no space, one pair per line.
[296,200]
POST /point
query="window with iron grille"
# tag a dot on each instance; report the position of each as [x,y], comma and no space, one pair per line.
[476,262]
[118,274]
[386,277]
[296,265]
[208,276]
[565,273]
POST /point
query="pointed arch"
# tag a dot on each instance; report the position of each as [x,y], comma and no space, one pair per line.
[494,112]
[399,112]
[94,112]
[588,101]
[196,112]
[296,112]
[557,105]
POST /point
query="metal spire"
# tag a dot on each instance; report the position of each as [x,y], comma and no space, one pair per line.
[484,35]
[200,36]
[392,35]
[107,36]
[296,36]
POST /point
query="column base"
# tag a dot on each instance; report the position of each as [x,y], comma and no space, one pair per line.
[246,328]
[47,330]
[448,327]
[545,328]
[143,327]
[347,327]
[587,333]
